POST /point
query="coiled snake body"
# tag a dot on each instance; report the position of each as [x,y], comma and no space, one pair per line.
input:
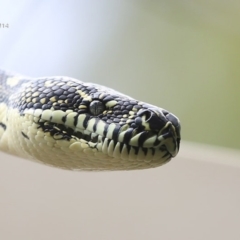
[66,123]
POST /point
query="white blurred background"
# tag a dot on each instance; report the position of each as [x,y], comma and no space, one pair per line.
[179,55]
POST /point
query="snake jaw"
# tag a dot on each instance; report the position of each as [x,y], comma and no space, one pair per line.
[122,142]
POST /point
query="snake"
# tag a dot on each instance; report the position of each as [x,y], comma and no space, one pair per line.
[66,123]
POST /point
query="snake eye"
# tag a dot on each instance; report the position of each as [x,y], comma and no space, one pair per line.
[96,107]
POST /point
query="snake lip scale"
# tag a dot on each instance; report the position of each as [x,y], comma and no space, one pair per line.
[70,124]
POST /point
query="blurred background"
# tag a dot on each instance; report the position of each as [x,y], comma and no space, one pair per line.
[179,55]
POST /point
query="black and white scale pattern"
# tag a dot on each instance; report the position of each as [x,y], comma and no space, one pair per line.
[70,124]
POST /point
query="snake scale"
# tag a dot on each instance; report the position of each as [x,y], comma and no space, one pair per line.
[66,123]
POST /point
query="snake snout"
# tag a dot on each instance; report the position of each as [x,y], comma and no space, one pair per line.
[176,126]
[164,124]
[175,122]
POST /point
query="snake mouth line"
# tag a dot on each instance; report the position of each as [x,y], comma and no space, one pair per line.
[144,145]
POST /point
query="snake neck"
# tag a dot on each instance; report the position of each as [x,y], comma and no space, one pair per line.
[9,83]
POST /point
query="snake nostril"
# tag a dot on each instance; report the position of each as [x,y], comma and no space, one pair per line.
[148,115]
[155,121]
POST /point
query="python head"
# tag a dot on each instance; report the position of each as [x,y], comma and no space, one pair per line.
[70,124]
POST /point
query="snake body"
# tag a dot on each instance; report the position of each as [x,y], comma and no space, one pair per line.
[66,123]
